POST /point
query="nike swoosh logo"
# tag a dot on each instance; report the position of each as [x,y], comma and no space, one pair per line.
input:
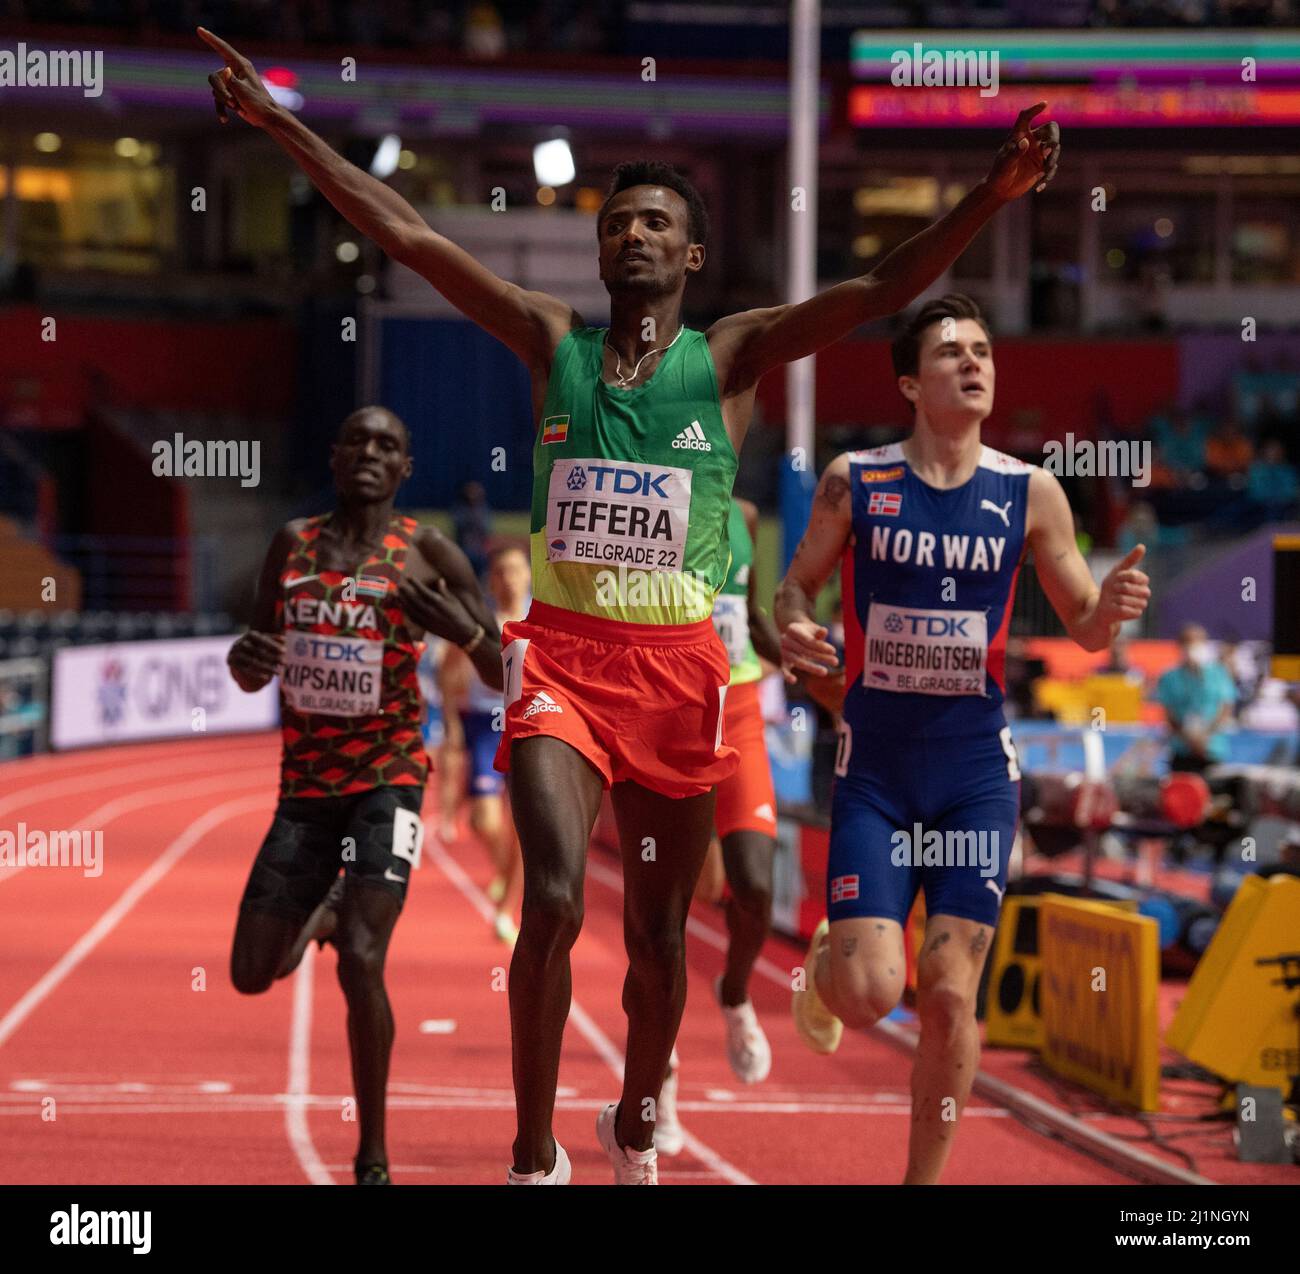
[388,875]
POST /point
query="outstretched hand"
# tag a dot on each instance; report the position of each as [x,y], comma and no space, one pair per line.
[1028,158]
[237,87]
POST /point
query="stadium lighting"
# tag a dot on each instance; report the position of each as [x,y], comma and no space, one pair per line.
[553,163]
[387,155]
[282,84]
[347,251]
[126,147]
[47,143]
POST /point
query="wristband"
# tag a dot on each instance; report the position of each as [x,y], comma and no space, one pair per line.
[470,646]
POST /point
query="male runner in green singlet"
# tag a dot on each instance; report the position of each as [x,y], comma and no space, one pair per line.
[617,678]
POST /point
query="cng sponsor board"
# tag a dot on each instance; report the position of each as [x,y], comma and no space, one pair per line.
[152,690]
[1106,1039]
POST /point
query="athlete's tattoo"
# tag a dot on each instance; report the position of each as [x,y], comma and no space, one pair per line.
[938,941]
[979,942]
[880,928]
[833,490]
[848,946]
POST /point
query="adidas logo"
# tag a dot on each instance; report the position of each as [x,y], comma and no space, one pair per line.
[692,439]
[542,702]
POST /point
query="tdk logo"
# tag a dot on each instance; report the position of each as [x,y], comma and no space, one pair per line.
[629,481]
[321,648]
[929,625]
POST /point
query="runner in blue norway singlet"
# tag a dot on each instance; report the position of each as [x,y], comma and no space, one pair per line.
[928,580]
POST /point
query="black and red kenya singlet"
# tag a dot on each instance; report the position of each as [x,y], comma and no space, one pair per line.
[349,699]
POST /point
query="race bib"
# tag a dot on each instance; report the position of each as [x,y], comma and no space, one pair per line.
[928,652]
[334,676]
[614,511]
[731,619]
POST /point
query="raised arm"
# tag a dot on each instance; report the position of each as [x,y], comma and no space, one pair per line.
[531,324]
[1091,615]
[759,340]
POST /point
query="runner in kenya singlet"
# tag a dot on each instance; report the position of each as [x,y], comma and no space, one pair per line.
[350,700]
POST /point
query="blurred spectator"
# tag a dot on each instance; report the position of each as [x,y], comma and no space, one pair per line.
[1228,452]
[1198,697]
[1181,442]
[1140,526]
[472,519]
[1271,483]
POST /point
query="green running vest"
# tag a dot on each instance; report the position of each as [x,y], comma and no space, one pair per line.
[731,607]
[632,487]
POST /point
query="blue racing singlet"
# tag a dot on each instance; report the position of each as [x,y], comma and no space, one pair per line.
[928,580]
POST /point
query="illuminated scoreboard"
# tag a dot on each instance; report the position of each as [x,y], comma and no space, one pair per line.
[1106,79]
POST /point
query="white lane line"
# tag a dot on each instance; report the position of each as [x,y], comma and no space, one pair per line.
[95,820]
[109,921]
[299,1084]
[285,1102]
[577,1014]
[85,763]
[75,784]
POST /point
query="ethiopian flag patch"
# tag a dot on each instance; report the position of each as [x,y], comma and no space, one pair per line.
[555,429]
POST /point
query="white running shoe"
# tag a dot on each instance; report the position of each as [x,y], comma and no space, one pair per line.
[558,1176]
[505,929]
[669,1137]
[748,1051]
[631,1167]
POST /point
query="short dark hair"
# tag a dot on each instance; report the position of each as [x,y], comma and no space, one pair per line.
[906,348]
[652,172]
[374,409]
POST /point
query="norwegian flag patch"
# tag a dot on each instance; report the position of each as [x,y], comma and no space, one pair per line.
[885,504]
[844,888]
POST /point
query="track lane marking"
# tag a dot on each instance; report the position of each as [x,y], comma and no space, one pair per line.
[604,1046]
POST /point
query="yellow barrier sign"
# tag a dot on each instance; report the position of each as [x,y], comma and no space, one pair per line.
[1100,983]
[1238,1017]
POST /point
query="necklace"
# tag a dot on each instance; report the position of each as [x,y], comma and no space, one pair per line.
[625,381]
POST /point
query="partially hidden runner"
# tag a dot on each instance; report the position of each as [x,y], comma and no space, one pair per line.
[476,706]
[744,820]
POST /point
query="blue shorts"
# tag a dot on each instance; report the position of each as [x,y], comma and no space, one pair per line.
[938,814]
[482,737]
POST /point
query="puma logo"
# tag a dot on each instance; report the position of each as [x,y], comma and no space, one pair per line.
[1003,511]
[992,884]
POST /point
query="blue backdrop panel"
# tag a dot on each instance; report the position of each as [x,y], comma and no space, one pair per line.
[462,394]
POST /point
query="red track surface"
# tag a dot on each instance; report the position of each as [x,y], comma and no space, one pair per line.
[154,1081]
